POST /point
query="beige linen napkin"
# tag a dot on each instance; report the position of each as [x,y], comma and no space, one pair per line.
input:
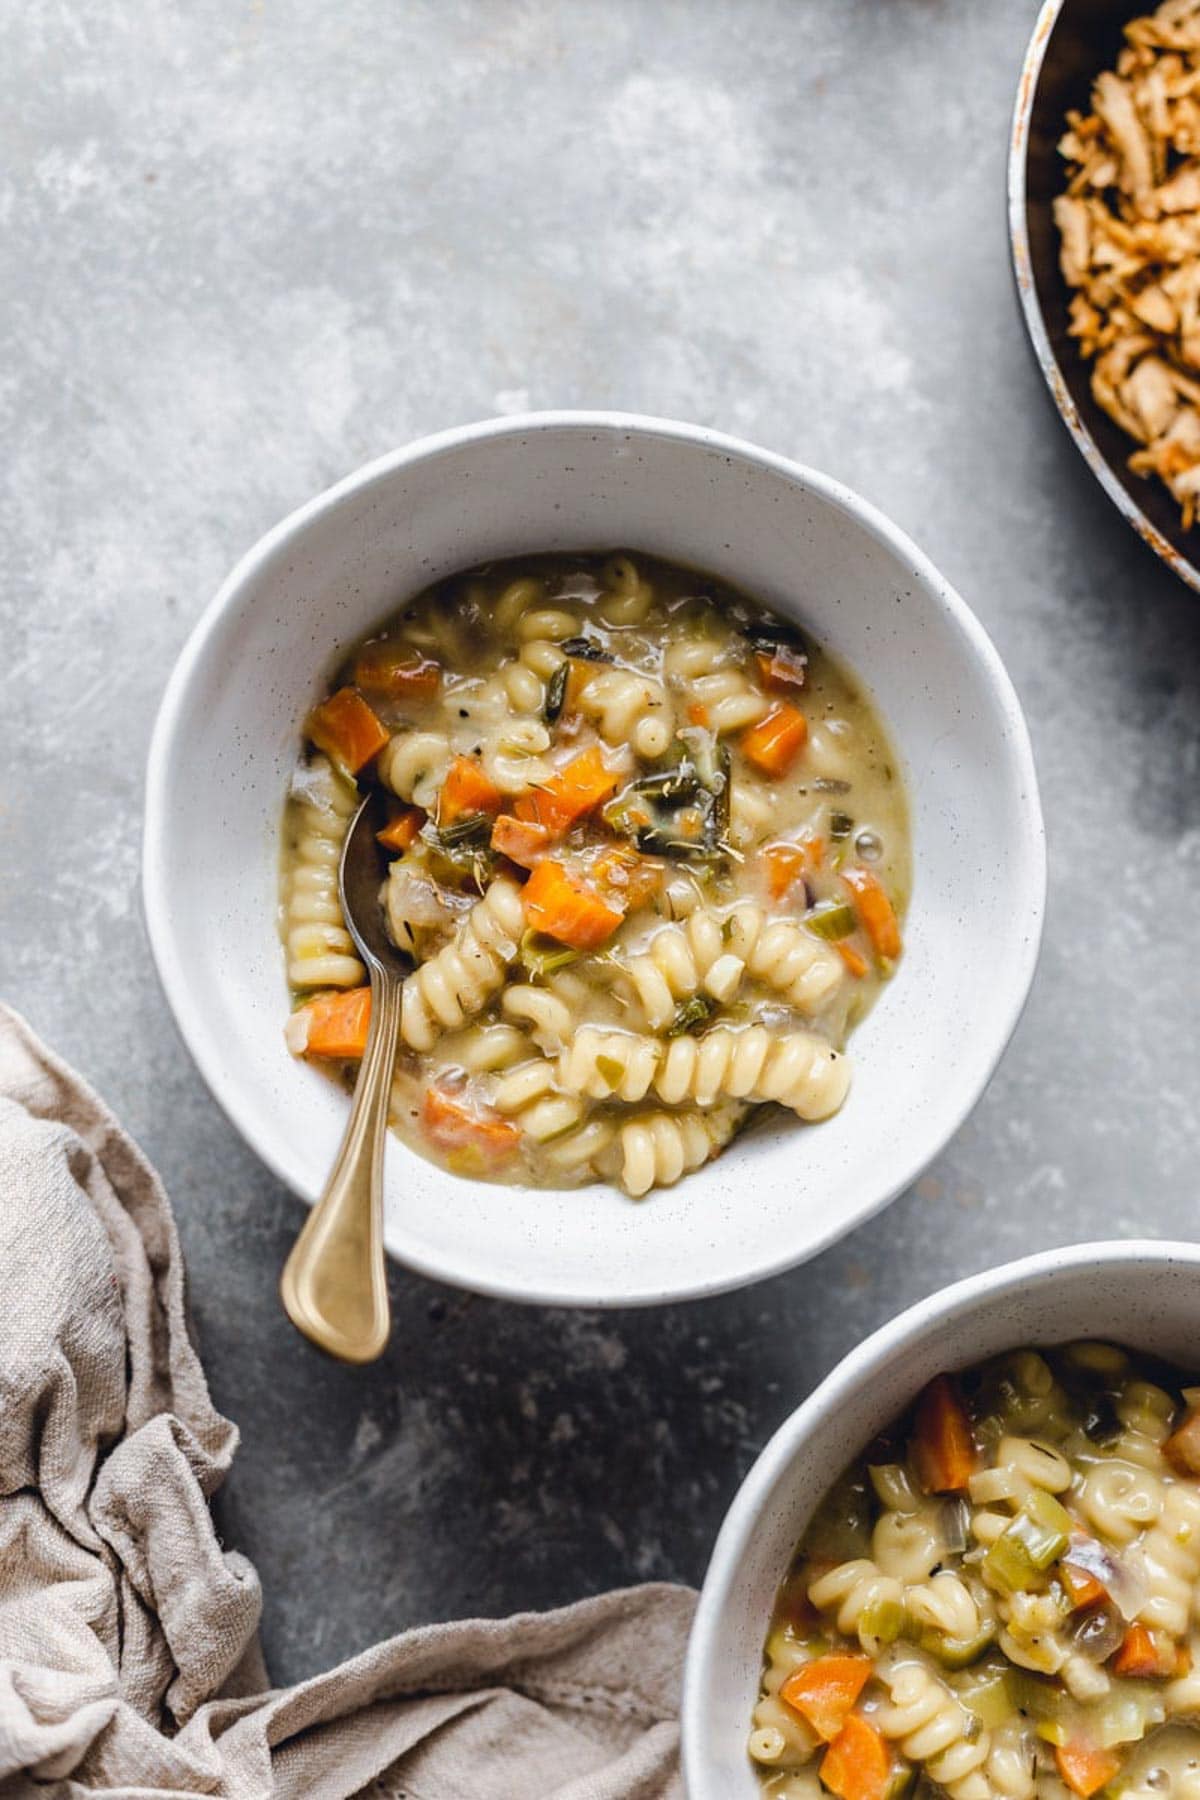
[129,1660]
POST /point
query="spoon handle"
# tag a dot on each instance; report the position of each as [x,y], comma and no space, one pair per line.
[334,1287]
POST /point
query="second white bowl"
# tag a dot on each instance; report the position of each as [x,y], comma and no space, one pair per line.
[1143,1295]
[229,731]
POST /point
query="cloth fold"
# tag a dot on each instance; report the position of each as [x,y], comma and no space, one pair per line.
[129,1655]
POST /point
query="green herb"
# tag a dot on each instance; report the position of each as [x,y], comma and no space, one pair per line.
[556,693]
[472,828]
[840,825]
[585,648]
[769,634]
[542,955]
[832,922]
[694,1012]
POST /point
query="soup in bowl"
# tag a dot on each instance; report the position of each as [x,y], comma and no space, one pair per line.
[971,1561]
[655,517]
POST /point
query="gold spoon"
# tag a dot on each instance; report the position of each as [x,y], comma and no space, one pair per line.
[334,1287]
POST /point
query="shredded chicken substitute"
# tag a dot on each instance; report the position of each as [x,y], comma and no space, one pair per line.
[1130,227]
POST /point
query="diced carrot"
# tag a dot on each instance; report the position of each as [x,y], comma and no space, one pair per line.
[781,670]
[347,730]
[853,959]
[402,832]
[784,864]
[560,903]
[698,713]
[453,1124]
[520,840]
[1138,1654]
[338,1023]
[1085,1767]
[875,912]
[1183,1446]
[575,789]
[1083,1588]
[396,671]
[626,878]
[465,790]
[1145,1653]
[943,1448]
[777,740]
[858,1764]
[825,1690]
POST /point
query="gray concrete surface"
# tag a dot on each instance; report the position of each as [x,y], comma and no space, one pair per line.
[247,246]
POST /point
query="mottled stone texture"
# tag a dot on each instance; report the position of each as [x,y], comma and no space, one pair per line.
[247,246]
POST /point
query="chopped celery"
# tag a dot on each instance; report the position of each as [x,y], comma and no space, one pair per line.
[881,1622]
[957,1653]
[1036,1537]
[1052,1731]
[1036,1695]
[985,1693]
[1126,1714]
[832,922]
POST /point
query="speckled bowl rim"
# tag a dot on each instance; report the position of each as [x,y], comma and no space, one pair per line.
[1028,850]
[855,1371]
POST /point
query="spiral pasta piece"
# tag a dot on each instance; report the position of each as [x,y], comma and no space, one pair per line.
[729,700]
[320,950]
[782,955]
[620,701]
[678,962]
[460,979]
[933,1728]
[1171,1558]
[862,1598]
[1118,1499]
[1146,1412]
[737,1063]
[657,1148]
[414,765]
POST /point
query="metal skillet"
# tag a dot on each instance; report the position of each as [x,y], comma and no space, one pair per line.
[1072,42]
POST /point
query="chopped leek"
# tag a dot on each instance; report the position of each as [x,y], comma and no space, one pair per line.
[832,922]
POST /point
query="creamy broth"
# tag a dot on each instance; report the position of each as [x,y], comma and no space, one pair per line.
[997,1600]
[650,860]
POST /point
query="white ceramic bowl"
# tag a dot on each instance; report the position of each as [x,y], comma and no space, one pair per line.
[228,734]
[1144,1295]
